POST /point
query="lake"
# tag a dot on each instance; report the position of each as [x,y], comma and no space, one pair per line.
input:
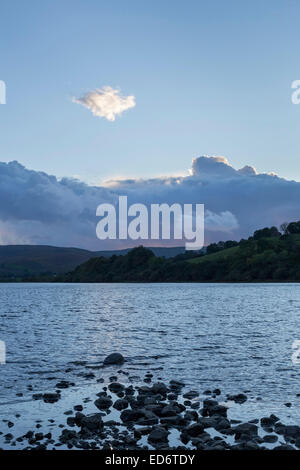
[236,337]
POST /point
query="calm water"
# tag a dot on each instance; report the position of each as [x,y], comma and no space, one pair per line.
[236,337]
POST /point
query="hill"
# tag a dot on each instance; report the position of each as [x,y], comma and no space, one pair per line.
[138,265]
[266,256]
[19,262]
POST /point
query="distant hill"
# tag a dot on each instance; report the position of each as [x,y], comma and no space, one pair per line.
[267,256]
[24,261]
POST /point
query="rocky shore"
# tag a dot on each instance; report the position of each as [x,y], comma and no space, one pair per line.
[153,415]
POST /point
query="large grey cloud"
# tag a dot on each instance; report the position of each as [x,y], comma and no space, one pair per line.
[38,208]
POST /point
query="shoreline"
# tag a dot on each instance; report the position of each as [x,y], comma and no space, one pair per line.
[151,415]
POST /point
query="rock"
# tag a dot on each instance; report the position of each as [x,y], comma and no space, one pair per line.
[297,443]
[195,429]
[171,410]
[207,422]
[209,403]
[51,397]
[211,407]
[270,438]
[159,388]
[40,447]
[218,410]
[145,430]
[239,398]
[292,431]
[116,387]
[148,419]
[249,445]
[131,415]
[274,418]
[64,384]
[110,423]
[129,390]
[84,445]
[173,396]
[137,434]
[176,385]
[120,404]
[78,407]
[246,429]
[184,437]
[158,434]
[172,421]
[267,422]
[284,447]
[114,358]
[191,416]
[195,405]
[221,424]
[37,396]
[149,400]
[191,394]
[103,403]
[67,436]
[78,418]
[92,422]
[71,421]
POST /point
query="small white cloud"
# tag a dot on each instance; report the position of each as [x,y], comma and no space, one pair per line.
[106,102]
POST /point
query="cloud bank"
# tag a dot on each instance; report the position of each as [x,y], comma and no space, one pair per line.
[37,208]
[106,102]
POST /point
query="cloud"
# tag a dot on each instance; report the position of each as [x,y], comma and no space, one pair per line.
[37,208]
[249,170]
[213,166]
[106,102]
[223,222]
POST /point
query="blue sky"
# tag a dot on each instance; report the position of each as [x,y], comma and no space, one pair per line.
[208,78]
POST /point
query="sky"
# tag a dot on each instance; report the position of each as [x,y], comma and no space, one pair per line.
[207,78]
[168,101]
